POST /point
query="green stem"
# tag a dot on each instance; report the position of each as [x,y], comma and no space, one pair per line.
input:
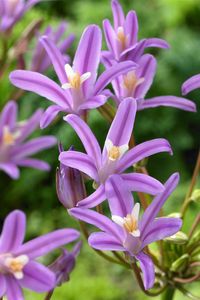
[49,295]
[168,293]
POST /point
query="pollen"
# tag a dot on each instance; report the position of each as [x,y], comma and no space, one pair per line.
[8,137]
[122,38]
[75,81]
[131,81]
[114,153]
[16,266]
[130,223]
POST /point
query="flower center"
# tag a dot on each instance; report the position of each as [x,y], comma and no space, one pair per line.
[130,223]
[75,81]
[114,153]
[131,81]
[8,137]
[122,38]
[15,265]
[74,78]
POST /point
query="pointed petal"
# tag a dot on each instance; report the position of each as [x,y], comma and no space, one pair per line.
[33,163]
[79,161]
[142,151]
[118,14]
[105,242]
[131,26]
[56,58]
[160,229]
[33,146]
[88,53]
[122,125]
[2,285]
[142,183]
[94,199]
[41,85]
[191,84]
[107,76]
[148,270]
[119,198]
[110,37]
[10,169]
[48,242]
[37,278]
[98,220]
[49,115]
[158,43]
[153,209]
[171,101]
[13,231]
[13,290]
[8,115]
[136,211]
[147,69]
[86,136]
[136,52]
[93,102]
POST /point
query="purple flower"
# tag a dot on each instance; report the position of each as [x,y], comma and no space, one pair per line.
[11,11]
[129,232]
[65,264]
[191,84]
[115,157]
[40,60]
[18,268]
[69,185]
[14,149]
[80,89]
[137,82]
[122,40]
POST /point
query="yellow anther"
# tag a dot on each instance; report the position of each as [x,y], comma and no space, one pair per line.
[122,37]
[130,223]
[114,153]
[8,137]
[75,81]
[131,81]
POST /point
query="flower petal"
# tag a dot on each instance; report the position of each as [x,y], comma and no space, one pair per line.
[153,209]
[104,241]
[33,163]
[119,198]
[8,115]
[48,242]
[56,58]
[2,285]
[171,101]
[13,231]
[79,161]
[142,183]
[37,278]
[13,290]
[142,151]
[10,169]
[158,43]
[33,146]
[41,85]
[98,220]
[148,270]
[49,115]
[93,102]
[110,37]
[131,25]
[94,199]
[118,14]
[86,136]
[160,229]
[122,125]
[191,84]
[107,76]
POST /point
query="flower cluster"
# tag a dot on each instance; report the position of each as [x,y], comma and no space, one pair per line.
[127,77]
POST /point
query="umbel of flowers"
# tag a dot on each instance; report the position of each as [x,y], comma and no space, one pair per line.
[116,171]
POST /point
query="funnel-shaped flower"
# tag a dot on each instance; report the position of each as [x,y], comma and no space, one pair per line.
[122,40]
[115,157]
[129,232]
[80,89]
[11,11]
[137,82]
[15,151]
[40,59]
[18,267]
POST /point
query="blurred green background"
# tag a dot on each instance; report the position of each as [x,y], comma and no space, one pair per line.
[177,21]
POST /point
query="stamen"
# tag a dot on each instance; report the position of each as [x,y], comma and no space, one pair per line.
[75,79]
[16,264]
[115,152]
[8,137]
[131,81]
[121,37]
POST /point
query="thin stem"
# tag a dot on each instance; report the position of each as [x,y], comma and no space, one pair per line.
[116,254]
[194,226]
[169,293]
[187,280]
[192,185]
[49,295]
[187,293]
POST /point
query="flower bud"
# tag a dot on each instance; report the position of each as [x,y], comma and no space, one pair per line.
[180,264]
[64,264]
[69,185]
[178,238]
[195,196]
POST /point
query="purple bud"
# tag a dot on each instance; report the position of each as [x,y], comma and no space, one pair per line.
[65,263]
[69,185]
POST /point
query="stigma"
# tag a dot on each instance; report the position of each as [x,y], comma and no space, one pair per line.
[131,81]
[115,152]
[130,222]
[122,38]
[15,265]
[74,78]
